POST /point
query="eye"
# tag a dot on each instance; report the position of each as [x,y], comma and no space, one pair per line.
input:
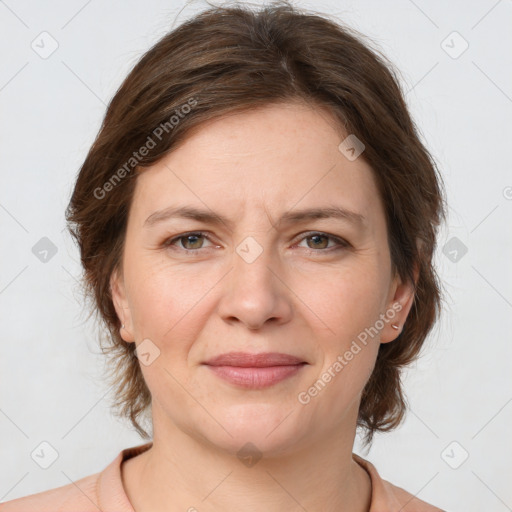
[320,241]
[189,241]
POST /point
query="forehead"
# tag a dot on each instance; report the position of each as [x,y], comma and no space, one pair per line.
[277,158]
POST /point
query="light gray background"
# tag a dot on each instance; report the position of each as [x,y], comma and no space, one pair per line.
[51,109]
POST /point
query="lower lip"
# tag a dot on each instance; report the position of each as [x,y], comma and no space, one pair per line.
[255,378]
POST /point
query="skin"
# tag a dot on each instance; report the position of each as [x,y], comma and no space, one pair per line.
[295,297]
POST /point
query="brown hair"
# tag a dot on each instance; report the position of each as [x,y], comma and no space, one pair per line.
[231,59]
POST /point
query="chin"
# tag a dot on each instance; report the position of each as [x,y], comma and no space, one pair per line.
[263,428]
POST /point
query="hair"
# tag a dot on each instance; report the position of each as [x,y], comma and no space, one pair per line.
[232,59]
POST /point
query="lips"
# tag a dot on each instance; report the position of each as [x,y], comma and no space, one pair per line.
[255,371]
[262,360]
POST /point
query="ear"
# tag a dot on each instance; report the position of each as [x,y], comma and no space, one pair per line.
[118,293]
[398,308]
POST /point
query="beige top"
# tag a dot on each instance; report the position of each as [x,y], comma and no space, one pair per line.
[104,491]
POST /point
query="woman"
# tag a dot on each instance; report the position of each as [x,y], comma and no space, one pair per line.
[256,220]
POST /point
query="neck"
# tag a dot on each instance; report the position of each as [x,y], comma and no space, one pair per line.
[180,472]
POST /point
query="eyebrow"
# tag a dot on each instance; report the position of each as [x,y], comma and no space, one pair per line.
[290,217]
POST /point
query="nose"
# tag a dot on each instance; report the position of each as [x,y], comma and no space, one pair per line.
[255,291]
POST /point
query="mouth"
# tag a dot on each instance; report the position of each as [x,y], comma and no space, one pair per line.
[255,371]
[256,378]
[261,360]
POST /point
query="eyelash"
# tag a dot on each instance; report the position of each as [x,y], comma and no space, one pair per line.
[341,244]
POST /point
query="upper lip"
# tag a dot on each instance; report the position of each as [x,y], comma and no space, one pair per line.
[244,359]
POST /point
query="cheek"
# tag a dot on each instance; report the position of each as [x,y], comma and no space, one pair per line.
[346,301]
[167,304]
[347,350]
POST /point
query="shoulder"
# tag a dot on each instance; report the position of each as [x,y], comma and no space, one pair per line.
[101,491]
[387,497]
[79,496]
[409,502]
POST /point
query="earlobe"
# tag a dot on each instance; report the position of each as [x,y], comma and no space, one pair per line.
[118,294]
[398,311]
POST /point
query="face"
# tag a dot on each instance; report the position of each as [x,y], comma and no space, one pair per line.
[266,277]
